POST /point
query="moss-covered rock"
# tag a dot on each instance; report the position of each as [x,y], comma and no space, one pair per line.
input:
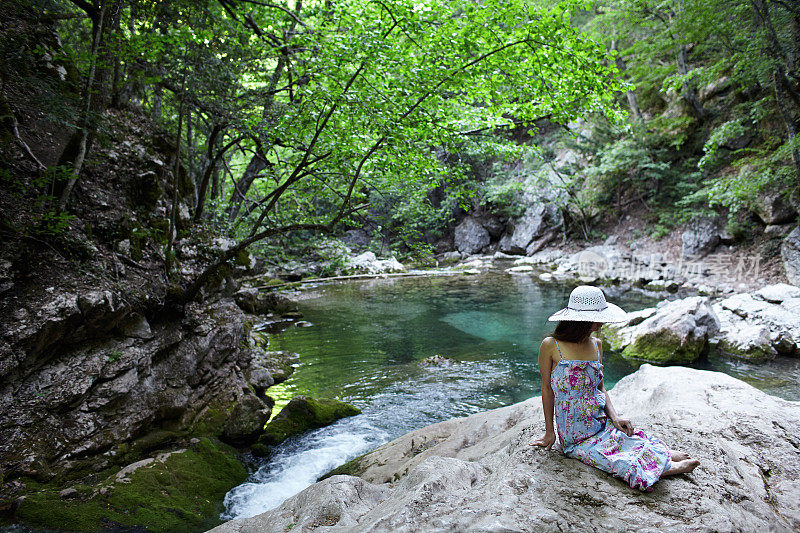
[177,491]
[353,467]
[673,332]
[302,414]
[665,347]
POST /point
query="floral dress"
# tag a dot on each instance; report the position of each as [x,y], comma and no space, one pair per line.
[587,435]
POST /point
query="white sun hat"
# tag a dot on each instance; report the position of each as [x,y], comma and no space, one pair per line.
[588,304]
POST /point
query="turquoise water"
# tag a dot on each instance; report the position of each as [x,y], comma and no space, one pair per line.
[367,345]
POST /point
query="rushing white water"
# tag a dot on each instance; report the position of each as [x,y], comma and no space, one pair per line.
[436,393]
[298,464]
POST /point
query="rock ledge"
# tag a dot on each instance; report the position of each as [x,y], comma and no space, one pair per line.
[480,474]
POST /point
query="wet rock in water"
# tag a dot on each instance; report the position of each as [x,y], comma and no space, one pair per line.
[673,332]
[268,368]
[700,237]
[436,360]
[480,473]
[246,421]
[471,237]
[278,303]
[790,254]
[520,269]
[303,413]
[448,258]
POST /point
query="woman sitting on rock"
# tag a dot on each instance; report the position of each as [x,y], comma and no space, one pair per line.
[572,385]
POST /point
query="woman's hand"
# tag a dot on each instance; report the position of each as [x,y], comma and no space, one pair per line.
[623,425]
[547,441]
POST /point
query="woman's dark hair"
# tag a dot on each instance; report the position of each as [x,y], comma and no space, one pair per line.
[572,331]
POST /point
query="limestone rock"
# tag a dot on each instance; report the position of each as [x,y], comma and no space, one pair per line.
[276,302]
[98,397]
[790,253]
[761,324]
[246,421]
[268,368]
[248,299]
[778,293]
[773,207]
[529,227]
[369,263]
[449,258]
[471,237]
[675,331]
[137,326]
[479,473]
[303,413]
[700,237]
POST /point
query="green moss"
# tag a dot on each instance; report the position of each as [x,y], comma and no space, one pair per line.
[756,354]
[354,467]
[664,348]
[272,282]
[184,492]
[610,338]
[242,258]
[261,450]
[302,414]
[211,419]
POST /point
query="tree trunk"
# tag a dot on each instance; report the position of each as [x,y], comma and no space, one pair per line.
[175,179]
[633,102]
[689,94]
[258,162]
[158,94]
[254,168]
[79,140]
[785,93]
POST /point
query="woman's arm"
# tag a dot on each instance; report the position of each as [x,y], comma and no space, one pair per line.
[548,398]
[621,424]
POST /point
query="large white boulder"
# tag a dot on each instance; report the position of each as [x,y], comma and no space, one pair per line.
[369,263]
[480,474]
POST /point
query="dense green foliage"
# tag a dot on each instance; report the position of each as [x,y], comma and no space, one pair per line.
[713,94]
[301,117]
[316,112]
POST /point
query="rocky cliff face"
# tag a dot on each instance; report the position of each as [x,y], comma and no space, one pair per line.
[480,474]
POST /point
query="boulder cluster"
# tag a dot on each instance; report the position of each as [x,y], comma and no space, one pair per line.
[754,325]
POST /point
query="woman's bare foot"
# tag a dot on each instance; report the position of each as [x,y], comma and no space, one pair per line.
[678,456]
[682,467]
